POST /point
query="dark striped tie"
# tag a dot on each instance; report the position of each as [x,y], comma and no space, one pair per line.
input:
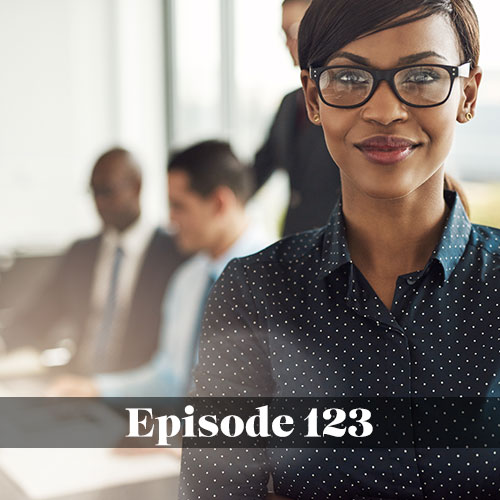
[104,333]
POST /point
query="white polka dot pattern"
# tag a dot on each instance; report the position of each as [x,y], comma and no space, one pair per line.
[299,319]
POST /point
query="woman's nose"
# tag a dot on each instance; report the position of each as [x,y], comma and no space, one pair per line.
[384,107]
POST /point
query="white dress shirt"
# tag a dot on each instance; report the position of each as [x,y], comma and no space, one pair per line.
[134,242]
[169,371]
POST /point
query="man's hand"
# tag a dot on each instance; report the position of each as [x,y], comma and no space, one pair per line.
[73,386]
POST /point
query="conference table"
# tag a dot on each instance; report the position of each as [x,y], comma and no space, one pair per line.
[164,489]
[77,474]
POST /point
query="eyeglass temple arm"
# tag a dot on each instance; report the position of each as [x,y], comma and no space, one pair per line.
[464,69]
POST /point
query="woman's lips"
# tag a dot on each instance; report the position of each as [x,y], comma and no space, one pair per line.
[387,150]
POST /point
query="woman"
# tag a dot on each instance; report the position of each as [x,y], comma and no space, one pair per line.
[396,296]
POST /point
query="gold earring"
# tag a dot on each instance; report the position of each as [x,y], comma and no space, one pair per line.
[316,118]
[468,117]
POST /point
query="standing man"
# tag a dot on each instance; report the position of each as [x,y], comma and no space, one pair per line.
[208,189]
[108,288]
[298,146]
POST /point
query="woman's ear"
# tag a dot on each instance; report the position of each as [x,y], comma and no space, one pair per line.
[311,97]
[469,95]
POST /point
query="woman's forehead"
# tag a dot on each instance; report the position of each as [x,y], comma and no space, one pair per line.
[432,36]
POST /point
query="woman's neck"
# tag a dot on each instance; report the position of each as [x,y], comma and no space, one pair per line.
[389,238]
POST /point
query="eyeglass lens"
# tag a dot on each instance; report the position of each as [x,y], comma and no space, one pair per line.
[418,85]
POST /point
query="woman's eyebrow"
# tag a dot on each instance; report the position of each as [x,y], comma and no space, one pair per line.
[413,58]
[418,57]
[353,57]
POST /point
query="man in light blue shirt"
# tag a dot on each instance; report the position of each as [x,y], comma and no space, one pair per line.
[208,189]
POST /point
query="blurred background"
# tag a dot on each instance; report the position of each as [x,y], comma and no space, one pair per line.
[80,76]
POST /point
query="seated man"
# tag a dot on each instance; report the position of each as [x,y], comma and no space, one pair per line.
[108,288]
[208,188]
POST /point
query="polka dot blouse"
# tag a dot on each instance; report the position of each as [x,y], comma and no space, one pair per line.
[299,319]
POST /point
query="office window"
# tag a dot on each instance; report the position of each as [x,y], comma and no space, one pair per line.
[259,46]
[221,50]
[195,70]
[77,78]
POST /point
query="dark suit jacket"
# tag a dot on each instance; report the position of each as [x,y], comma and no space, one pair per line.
[66,296]
[298,146]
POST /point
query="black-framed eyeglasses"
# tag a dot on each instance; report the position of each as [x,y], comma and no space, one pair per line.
[419,86]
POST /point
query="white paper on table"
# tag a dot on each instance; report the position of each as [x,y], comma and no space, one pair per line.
[47,473]
[21,363]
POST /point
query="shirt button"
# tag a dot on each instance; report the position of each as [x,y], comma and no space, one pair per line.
[411,281]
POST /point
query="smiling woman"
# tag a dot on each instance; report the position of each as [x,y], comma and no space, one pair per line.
[408,111]
[396,297]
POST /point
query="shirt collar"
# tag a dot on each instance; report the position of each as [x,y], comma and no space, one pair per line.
[448,252]
[334,252]
[455,237]
[133,240]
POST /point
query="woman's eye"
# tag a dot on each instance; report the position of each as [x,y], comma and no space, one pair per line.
[422,77]
[351,77]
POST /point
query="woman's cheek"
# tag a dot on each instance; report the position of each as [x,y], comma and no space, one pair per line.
[336,131]
[440,131]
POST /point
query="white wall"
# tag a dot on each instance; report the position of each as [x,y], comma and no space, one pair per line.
[78,76]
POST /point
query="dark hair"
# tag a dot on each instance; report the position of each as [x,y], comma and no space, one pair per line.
[211,164]
[329,25]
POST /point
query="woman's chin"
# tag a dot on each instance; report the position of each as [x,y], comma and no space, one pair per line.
[383,192]
[384,183]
